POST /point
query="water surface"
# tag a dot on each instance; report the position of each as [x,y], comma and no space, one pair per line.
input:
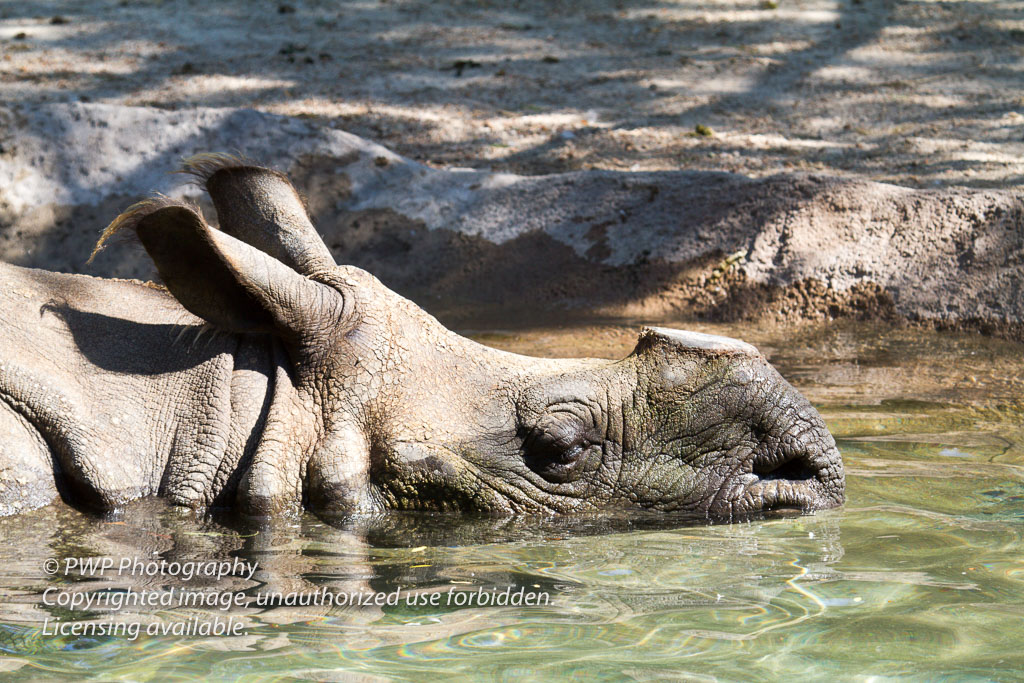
[919,576]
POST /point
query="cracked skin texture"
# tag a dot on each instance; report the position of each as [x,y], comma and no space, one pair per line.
[268,378]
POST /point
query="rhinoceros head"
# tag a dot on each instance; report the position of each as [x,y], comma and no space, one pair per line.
[378,406]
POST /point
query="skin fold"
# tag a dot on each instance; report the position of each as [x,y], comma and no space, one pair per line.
[268,378]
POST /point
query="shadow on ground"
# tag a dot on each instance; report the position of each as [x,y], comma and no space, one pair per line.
[918,93]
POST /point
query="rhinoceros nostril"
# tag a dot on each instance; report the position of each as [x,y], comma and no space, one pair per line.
[799,468]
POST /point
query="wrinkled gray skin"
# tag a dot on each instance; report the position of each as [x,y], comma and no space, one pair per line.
[267,377]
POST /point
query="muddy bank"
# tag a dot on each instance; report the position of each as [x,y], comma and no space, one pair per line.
[682,243]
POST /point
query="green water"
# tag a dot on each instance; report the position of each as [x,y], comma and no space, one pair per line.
[920,576]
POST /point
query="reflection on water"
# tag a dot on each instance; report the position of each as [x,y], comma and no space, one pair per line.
[920,575]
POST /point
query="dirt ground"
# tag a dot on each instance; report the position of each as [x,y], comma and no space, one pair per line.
[918,93]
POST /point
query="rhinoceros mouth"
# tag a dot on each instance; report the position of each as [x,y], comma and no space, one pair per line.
[802,480]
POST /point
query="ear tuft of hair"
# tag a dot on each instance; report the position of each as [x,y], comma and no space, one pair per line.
[128,220]
[203,166]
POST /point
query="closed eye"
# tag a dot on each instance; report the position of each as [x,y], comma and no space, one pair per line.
[555,449]
[561,448]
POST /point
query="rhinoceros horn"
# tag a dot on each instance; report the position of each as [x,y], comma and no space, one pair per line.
[694,342]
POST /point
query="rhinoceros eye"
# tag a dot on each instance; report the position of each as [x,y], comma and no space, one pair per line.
[553,449]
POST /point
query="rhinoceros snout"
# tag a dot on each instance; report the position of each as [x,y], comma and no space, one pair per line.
[802,471]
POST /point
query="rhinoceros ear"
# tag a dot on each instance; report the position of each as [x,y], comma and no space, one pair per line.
[226,282]
[260,207]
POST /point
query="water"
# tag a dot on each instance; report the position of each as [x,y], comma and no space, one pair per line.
[919,576]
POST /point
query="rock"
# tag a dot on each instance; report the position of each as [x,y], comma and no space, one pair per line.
[624,243]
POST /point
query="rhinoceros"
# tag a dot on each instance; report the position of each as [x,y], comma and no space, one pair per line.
[264,377]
